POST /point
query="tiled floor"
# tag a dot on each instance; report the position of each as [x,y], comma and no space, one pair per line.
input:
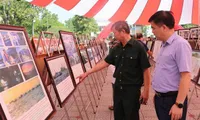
[147,112]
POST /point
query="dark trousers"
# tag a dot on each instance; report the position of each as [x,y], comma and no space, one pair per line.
[126,102]
[163,106]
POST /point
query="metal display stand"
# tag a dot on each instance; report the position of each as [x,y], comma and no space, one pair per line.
[47,77]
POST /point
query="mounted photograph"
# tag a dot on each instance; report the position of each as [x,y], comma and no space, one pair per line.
[10,77]
[72,53]
[28,70]
[60,75]
[6,38]
[24,54]
[18,38]
[10,56]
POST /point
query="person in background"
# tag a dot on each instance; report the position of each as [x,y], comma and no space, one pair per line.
[131,71]
[139,37]
[171,78]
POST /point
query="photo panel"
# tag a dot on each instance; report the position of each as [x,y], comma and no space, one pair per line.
[24,54]
[85,59]
[195,65]
[94,52]
[97,50]
[91,56]
[10,56]
[72,53]
[61,78]
[22,93]
[184,33]
[194,33]
[19,101]
[28,69]
[6,38]
[9,77]
[17,38]
[100,51]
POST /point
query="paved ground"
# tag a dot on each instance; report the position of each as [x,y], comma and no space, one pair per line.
[147,112]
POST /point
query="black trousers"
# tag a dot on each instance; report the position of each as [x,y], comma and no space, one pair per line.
[126,102]
[163,106]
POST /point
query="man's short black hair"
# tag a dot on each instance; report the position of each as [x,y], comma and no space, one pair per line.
[163,17]
[139,35]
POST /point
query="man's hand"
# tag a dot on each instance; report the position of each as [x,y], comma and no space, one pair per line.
[82,77]
[151,57]
[144,97]
[175,112]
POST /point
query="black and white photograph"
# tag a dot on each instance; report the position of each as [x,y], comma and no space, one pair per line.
[194,33]
[71,51]
[24,54]
[89,50]
[9,77]
[17,38]
[58,69]
[195,65]
[6,38]
[184,33]
[62,81]
[10,56]
[85,59]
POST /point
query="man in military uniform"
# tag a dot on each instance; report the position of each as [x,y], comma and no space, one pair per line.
[131,71]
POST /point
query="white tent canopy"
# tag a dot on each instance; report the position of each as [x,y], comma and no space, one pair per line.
[133,11]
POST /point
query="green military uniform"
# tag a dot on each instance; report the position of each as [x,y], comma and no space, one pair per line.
[130,61]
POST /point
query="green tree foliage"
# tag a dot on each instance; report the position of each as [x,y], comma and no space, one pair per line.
[145,30]
[189,26]
[22,13]
[18,12]
[82,25]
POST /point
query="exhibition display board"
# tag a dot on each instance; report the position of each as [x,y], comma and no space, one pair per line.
[73,54]
[23,95]
[61,77]
[195,67]
[85,58]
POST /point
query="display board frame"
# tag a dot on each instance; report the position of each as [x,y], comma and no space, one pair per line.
[94,52]
[185,33]
[73,54]
[59,70]
[23,69]
[2,115]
